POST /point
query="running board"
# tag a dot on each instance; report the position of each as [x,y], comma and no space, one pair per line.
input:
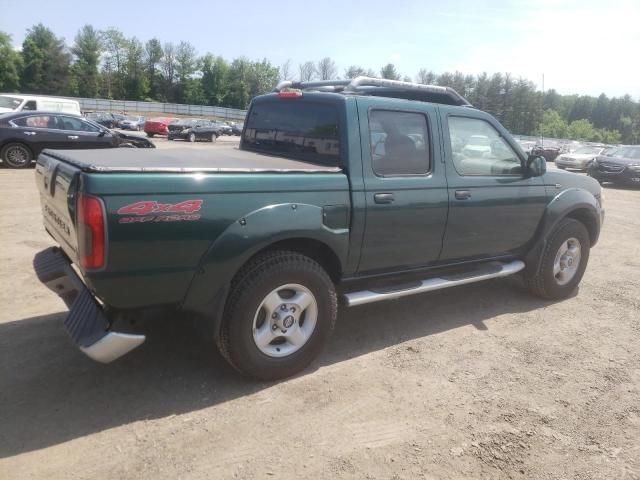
[485,272]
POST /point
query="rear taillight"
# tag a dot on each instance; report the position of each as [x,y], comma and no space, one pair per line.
[91,232]
[291,93]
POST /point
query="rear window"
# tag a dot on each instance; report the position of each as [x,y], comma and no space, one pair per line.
[304,131]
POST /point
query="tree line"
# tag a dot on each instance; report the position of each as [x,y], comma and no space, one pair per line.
[107,64]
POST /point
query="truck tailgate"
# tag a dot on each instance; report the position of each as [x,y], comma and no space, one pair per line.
[57,184]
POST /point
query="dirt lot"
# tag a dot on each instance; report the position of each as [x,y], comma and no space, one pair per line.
[480,381]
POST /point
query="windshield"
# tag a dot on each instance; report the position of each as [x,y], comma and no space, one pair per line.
[588,150]
[10,102]
[304,131]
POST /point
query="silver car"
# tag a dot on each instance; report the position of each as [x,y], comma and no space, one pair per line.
[580,158]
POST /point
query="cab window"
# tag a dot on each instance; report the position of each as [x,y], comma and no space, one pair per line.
[399,143]
[478,148]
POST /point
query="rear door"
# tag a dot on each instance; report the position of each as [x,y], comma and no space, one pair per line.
[39,131]
[405,185]
[494,208]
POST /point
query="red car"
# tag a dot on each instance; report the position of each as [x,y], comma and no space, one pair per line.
[157,126]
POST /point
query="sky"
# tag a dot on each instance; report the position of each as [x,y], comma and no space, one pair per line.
[580,46]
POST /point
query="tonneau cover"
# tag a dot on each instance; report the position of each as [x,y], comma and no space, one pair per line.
[220,159]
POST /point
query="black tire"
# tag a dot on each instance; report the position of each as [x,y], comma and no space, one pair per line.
[543,282]
[249,288]
[150,135]
[191,137]
[214,138]
[16,155]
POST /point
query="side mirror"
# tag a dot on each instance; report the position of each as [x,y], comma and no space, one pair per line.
[536,166]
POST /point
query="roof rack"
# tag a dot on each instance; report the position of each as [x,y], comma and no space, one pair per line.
[383,88]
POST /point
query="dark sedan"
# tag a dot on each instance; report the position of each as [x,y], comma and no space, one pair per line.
[106,119]
[23,135]
[622,166]
[193,129]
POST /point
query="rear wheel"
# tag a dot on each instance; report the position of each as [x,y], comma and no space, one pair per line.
[563,263]
[16,155]
[150,135]
[281,310]
[191,137]
[214,138]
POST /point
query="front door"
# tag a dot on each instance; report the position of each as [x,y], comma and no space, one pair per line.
[494,208]
[77,133]
[405,185]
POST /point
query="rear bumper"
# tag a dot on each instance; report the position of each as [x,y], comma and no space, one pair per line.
[86,323]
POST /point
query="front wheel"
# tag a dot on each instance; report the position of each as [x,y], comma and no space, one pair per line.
[150,135]
[16,155]
[564,260]
[281,310]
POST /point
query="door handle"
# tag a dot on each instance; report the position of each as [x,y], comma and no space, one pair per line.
[383,198]
[73,137]
[29,133]
[463,194]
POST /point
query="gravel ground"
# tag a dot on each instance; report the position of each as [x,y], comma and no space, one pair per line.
[482,381]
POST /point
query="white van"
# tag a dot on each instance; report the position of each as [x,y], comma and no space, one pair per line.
[10,102]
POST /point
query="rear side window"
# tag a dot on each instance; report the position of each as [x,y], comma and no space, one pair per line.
[304,131]
[399,143]
[36,121]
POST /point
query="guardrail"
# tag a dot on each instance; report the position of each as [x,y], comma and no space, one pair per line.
[126,106]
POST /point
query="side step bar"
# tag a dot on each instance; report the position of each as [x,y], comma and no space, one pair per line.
[487,271]
[86,323]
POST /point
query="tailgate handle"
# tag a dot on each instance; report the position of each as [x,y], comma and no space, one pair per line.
[72,137]
[29,133]
[383,198]
[463,194]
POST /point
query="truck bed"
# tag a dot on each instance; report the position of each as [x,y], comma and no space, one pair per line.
[220,159]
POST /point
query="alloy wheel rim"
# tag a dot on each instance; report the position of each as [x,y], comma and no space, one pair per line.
[17,156]
[285,320]
[567,261]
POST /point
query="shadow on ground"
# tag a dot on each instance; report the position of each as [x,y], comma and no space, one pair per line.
[51,393]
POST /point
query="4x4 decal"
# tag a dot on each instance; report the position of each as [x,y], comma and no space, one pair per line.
[151,211]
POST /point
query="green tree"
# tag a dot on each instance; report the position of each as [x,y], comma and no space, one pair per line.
[238,91]
[114,64]
[580,130]
[214,79]
[168,68]
[262,78]
[136,83]
[10,65]
[186,63]
[426,77]
[46,62]
[152,57]
[86,50]
[389,72]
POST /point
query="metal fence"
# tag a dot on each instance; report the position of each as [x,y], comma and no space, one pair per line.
[157,109]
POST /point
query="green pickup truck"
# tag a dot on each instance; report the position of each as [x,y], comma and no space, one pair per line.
[340,193]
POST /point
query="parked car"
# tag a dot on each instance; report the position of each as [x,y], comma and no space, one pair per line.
[158,126]
[621,166]
[580,158]
[225,128]
[132,123]
[15,102]
[119,118]
[549,153]
[254,240]
[23,135]
[106,119]
[194,129]
[236,128]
